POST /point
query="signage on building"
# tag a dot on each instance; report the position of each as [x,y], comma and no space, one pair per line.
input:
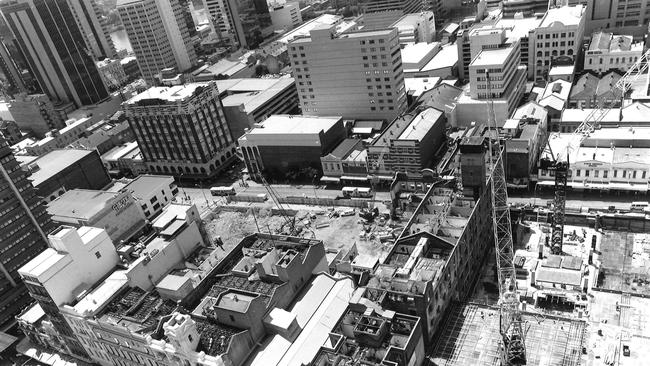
[121,205]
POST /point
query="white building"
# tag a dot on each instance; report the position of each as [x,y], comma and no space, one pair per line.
[559,36]
[343,71]
[416,27]
[285,16]
[158,34]
[608,51]
[610,159]
[116,212]
[113,73]
[58,139]
[152,192]
[507,80]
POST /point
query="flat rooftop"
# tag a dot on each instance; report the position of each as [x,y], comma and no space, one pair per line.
[252,94]
[565,15]
[136,309]
[80,204]
[490,57]
[294,124]
[470,335]
[421,125]
[44,261]
[170,94]
[54,162]
[142,185]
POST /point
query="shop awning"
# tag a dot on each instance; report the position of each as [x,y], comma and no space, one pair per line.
[330,179]
[352,177]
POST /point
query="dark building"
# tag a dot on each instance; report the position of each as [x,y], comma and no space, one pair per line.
[23,227]
[54,48]
[243,22]
[181,129]
[61,170]
[283,145]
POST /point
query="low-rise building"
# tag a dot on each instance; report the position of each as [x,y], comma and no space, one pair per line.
[429,60]
[608,51]
[104,135]
[250,101]
[36,113]
[347,163]
[633,115]
[61,170]
[527,132]
[609,159]
[125,159]
[408,144]
[288,144]
[130,67]
[152,192]
[555,98]
[116,212]
[58,139]
[112,72]
[562,72]
[591,91]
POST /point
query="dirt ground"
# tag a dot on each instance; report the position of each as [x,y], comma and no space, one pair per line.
[337,232]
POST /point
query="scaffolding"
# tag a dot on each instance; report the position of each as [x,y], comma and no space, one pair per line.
[470,329]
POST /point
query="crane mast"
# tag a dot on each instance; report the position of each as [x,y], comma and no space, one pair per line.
[512,345]
[559,164]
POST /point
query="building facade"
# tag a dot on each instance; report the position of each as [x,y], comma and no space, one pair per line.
[152,192]
[35,113]
[24,224]
[242,23]
[559,36]
[286,144]
[608,51]
[285,16]
[158,33]
[48,35]
[93,29]
[357,74]
[181,129]
[113,73]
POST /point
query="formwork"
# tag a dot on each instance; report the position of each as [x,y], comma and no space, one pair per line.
[470,336]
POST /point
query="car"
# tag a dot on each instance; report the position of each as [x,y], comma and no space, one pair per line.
[626,350]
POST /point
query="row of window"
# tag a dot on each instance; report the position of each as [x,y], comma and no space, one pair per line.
[555,35]
[616,60]
[605,173]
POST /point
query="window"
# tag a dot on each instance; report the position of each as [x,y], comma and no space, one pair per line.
[624,173]
[577,172]
[634,174]
[586,172]
[615,173]
[605,173]
[643,174]
[596,172]
[98,255]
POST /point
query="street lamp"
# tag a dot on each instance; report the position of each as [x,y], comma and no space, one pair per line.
[180,185]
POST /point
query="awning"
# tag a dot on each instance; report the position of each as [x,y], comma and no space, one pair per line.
[329,179]
[352,177]
[382,177]
[362,130]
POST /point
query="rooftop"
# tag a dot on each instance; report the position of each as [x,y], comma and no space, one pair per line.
[530,110]
[563,16]
[43,262]
[490,57]
[144,184]
[446,57]
[171,94]
[54,162]
[136,309]
[294,124]
[82,204]
[421,124]
[304,29]
[254,93]
[344,149]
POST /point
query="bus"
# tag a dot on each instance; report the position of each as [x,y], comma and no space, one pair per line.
[639,206]
[349,192]
[222,191]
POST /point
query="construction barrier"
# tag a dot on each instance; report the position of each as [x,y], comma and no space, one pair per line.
[246,198]
[326,202]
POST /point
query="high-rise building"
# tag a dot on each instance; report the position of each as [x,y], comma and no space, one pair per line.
[343,71]
[23,224]
[52,43]
[158,34]
[244,23]
[93,29]
[181,129]
[617,16]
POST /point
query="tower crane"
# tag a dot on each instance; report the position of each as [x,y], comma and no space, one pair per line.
[559,164]
[283,212]
[512,347]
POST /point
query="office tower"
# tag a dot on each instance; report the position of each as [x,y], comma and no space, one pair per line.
[186,6]
[382,13]
[158,34]
[343,71]
[23,224]
[93,29]
[11,70]
[181,129]
[51,42]
[245,23]
[558,37]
